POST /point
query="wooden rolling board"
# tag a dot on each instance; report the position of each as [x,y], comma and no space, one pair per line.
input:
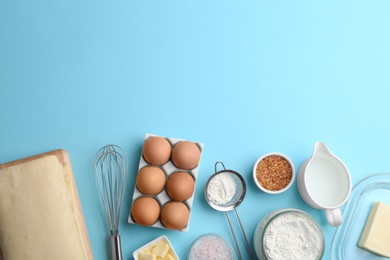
[40,210]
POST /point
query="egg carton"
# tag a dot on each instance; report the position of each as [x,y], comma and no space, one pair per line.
[168,169]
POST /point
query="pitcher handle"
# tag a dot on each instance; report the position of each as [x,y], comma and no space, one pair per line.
[334,217]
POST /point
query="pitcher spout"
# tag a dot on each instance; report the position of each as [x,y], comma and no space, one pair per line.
[320,147]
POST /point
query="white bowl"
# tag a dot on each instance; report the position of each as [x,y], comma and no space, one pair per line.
[274,191]
[149,245]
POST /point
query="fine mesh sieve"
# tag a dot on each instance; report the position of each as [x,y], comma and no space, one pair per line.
[232,204]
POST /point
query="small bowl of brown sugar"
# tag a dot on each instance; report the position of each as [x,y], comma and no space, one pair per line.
[274,173]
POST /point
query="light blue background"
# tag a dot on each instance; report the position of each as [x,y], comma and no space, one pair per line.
[243,77]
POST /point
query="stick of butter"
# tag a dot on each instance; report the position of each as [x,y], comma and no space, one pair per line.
[147,256]
[159,251]
[376,234]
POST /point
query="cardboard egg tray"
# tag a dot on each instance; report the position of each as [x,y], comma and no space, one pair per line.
[168,169]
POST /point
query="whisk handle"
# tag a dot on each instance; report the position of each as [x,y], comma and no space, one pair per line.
[116,247]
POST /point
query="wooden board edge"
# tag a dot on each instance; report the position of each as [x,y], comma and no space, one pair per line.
[73,189]
[61,154]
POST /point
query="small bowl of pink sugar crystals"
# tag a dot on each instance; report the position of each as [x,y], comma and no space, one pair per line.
[209,247]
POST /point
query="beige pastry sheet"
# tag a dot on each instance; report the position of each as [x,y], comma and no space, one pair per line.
[40,211]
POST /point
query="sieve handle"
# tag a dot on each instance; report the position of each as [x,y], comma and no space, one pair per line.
[116,247]
[243,233]
[216,165]
[234,235]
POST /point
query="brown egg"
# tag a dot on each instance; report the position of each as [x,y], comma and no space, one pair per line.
[175,215]
[145,211]
[186,155]
[180,186]
[151,180]
[156,150]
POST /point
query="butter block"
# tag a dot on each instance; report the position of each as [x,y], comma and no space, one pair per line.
[376,234]
[157,249]
[169,257]
[160,250]
[147,256]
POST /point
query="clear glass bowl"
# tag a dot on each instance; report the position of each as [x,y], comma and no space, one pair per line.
[210,246]
[310,229]
[373,188]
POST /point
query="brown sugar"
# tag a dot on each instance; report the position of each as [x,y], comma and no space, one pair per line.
[274,172]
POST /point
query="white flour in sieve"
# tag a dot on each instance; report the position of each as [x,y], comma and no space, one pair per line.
[292,236]
[221,188]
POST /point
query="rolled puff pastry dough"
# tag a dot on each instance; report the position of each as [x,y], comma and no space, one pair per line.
[40,211]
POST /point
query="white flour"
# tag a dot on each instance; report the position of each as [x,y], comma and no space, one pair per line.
[221,188]
[292,236]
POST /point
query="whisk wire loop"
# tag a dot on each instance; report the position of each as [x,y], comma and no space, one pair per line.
[110,172]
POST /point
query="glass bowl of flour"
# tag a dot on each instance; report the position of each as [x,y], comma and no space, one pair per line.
[289,234]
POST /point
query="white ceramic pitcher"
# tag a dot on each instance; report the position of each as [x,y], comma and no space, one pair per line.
[324,182]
